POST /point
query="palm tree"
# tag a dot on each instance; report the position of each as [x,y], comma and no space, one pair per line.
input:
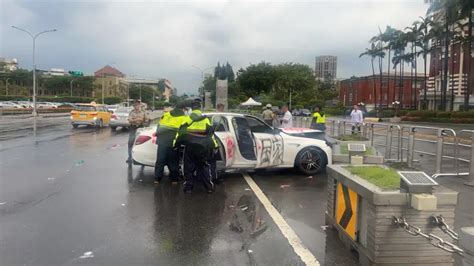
[465,12]
[448,11]
[388,37]
[379,41]
[413,37]
[374,51]
[425,49]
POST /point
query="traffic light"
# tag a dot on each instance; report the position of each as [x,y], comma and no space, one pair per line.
[76,73]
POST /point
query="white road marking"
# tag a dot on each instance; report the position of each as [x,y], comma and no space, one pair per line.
[305,255]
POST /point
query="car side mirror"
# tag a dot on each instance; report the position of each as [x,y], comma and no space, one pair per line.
[276,130]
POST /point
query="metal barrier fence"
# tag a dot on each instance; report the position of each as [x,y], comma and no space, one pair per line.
[401,143]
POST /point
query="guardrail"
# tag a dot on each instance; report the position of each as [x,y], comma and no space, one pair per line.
[402,143]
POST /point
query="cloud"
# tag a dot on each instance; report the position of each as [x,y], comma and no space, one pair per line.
[164,39]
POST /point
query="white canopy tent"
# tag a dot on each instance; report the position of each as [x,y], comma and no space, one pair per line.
[251,102]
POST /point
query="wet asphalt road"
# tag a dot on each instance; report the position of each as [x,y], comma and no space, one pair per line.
[68,198]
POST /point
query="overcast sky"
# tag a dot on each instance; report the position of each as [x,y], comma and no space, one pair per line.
[163,39]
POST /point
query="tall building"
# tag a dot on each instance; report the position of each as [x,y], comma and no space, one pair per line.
[388,90]
[110,82]
[460,69]
[325,67]
[8,65]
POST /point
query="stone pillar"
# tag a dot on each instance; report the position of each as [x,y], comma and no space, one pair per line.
[466,241]
[207,100]
[221,93]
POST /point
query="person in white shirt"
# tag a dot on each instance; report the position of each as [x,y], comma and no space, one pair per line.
[357,118]
[287,120]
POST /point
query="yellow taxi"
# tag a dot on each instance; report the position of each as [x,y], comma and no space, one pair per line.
[90,115]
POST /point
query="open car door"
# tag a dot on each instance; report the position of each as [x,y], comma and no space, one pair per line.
[269,143]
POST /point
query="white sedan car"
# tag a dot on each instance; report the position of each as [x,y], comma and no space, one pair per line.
[246,142]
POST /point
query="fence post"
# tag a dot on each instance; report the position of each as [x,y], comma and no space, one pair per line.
[400,144]
[388,142]
[333,128]
[343,128]
[372,134]
[470,180]
[439,151]
[411,147]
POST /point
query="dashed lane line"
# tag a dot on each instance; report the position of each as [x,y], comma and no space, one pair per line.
[305,255]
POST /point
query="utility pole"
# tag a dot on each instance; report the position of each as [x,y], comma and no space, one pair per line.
[70,85]
[6,86]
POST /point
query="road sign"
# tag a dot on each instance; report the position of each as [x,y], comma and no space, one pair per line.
[76,73]
[346,209]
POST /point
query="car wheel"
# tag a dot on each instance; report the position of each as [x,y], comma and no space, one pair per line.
[113,128]
[311,160]
[75,126]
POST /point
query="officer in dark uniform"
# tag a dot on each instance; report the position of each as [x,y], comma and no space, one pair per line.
[196,134]
[166,154]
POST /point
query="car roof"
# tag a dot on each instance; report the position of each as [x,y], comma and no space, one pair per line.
[224,114]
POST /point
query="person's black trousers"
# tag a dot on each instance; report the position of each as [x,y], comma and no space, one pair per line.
[166,155]
[131,139]
[196,167]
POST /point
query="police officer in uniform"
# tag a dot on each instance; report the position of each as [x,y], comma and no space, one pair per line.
[166,154]
[319,119]
[197,135]
[137,119]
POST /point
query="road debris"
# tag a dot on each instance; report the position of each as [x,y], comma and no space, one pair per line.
[250,251]
[247,189]
[79,163]
[123,204]
[2,203]
[284,186]
[324,227]
[51,178]
[86,255]
[309,177]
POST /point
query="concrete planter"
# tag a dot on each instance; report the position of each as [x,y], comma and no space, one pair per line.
[340,158]
[395,119]
[366,142]
[375,238]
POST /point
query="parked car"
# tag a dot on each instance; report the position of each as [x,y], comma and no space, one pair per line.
[305,112]
[90,115]
[112,107]
[46,105]
[246,142]
[10,105]
[120,118]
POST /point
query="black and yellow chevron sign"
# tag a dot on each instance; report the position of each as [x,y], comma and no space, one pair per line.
[346,209]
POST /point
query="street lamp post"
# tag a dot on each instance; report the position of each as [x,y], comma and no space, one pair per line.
[33,37]
[202,77]
[6,86]
[70,85]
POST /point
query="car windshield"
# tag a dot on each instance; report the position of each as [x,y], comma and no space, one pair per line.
[84,108]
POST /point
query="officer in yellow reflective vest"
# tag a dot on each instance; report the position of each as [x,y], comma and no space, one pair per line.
[196,134]
[319,119]
[166,131]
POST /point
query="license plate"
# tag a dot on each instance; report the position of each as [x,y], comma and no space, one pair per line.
[82,116]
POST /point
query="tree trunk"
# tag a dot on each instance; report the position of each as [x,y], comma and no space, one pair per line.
[451,107]
[388,74]
[400,84]
[373,86]
[415,96]
[380,82]
[411,80]
[468,91]
[444,85]
[425,100]
[394,83]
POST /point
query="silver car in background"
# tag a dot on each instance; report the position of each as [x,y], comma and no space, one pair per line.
[120,118]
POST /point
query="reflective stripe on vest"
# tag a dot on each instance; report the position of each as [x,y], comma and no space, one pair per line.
[170,121]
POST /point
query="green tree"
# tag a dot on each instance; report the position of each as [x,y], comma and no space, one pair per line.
[373,52]
[145,92]
[256,79]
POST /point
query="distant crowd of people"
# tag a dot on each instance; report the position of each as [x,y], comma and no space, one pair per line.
[318,118]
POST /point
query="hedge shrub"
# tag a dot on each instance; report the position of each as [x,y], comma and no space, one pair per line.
[68,99]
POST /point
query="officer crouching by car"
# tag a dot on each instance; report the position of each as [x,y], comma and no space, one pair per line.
[196,134]
[137,119]
[166,154]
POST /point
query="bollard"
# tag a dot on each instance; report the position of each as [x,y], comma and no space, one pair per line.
[439,151]
[388,142]
[333,128]
[343,128]
[364,130]
[339,128]
[466,241]
[411,147]
[470,180]
[372,135]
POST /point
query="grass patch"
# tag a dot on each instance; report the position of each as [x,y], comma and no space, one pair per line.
[353,137]
[345,150]
[384,178]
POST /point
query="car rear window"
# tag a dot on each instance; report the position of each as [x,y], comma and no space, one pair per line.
[84,108]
